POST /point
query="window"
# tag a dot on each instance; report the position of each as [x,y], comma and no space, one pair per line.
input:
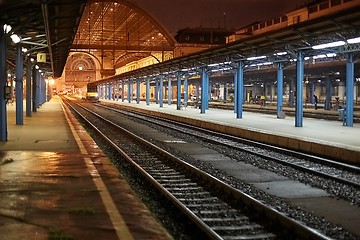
[262,25]
[269,23]
[335,2]
[324,5]
[313,9]
[296,19]
[276,20]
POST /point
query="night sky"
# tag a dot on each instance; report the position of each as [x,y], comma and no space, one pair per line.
[177,14]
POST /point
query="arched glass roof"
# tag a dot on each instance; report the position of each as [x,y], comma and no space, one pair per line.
[122,28]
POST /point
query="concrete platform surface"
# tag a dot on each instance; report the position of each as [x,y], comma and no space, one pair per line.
[323,137]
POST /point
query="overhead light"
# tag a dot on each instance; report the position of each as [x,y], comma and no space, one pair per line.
[15,38]
[24,50]
[7,28]
[324,55]
[329,45]
[37,67]
[256,58]
[353,40]
[280,53]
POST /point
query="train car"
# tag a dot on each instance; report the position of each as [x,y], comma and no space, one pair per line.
[92,94]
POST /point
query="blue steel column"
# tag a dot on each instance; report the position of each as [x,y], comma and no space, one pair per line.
[349,90]
[299,89]
[3,82]
[169,90]
[207,86]
[34,90]
[161,92]
[178,90]
[156,91]
[328,94]
[28,87]
[280,82]
[203,90]
[19,87]
[122,91]
[186,90]
[129,92]
[148,91]
[312,92]
[109,91]
[137,91]
[42,89]
[235,91]
[239,89]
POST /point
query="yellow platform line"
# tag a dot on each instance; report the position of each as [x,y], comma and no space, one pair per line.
[117,221]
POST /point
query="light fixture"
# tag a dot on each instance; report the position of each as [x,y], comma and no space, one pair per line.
[353,40]
[15,38]
[280,53]
[7,28]
[329,45]
[37,67]
[256,58]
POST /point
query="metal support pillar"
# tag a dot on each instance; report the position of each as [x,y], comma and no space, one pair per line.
[157,91]
[178,90]
[138,91]
[207,91]
[349,112]
[197,92]
[203,90]
[291,93]
[299,89]
[147,91]
[117,91]
[42,89]
[109,91]
[161,91]
[186,90]
[327,105]
[312,92]
[19,87]
[3,83]
[122,91]
[28,88]
[225,93]
[129,91]
[34,89]
[280,82]
[235,91]
[169,90]
[239,89]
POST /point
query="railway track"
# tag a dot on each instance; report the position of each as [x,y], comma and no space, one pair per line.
[318,166]
[201,197]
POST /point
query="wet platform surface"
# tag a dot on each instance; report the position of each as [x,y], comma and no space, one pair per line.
[55,181]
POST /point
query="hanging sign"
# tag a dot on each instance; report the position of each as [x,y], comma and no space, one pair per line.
[41,57]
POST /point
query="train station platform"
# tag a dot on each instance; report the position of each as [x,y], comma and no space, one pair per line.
[55,183]
[322,137]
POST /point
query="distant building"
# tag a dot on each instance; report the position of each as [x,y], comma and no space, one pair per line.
[190,40]
[315,9]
